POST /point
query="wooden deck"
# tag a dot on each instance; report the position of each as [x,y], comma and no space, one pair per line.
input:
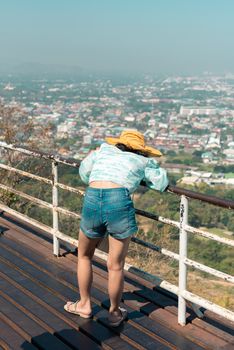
[35,285]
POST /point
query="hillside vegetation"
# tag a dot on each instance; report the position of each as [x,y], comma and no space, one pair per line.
[205,251]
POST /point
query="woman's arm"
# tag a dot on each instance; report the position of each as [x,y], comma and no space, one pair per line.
[155,176]
[86,166]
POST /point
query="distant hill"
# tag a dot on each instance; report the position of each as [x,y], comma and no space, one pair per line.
[39,70]
[35,70]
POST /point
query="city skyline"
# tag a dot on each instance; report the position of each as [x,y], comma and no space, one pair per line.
[133,36]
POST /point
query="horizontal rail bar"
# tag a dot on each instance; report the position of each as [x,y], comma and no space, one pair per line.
[155,248]
[25,173]
[48,229]
[137,240]
[71,189]
[187,227]
[195,300]
[210,235]
[68,212]
[157,218]
[138,211]
[37,154]
[228,314]
[42,179]
[187,261]
[210,270]
[224,203]
[37,201]
[26,218]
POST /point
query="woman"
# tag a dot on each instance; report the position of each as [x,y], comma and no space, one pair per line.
[113,172]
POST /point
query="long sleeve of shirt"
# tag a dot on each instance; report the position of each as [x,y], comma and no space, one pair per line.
[86,166]
[155,176]
[127,169]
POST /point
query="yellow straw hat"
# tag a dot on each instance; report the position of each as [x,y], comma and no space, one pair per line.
[134,140]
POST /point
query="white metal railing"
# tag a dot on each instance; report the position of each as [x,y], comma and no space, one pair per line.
[182,225]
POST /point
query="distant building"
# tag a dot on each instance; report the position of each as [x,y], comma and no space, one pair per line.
[207,157]
[87,139]
[129,118]
[229,153]
[62,131]
[197,110]
[213,142]
[9,87]
[178,168]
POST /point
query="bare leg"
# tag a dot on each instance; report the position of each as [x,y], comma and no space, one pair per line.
[86,250]
[117,253]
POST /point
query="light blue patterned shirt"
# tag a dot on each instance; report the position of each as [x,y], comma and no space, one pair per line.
[127,169]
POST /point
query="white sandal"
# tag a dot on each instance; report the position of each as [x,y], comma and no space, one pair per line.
[81,314]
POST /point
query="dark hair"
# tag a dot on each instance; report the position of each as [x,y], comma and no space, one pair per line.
[125,148]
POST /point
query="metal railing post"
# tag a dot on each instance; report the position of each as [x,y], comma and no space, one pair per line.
[182,256]
[55,205]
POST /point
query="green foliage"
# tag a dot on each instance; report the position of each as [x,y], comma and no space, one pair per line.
[206,251]
[224,168]
[212,254]
[171,153]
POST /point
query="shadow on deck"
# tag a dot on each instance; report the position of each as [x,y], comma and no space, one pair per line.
[35,285]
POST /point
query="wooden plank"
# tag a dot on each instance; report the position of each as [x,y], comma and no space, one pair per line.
[159,300]
[152,334]
[161,331]
[104,298]
[98,332]
[59,328]
[223,323]
[38,336]
[195,334]
[55,305]
[162,300]
[101,274]
[46,241]
[29,230]
[217,329]
[12,339]
[135,334]
[52,323]
[4,346]
[127,286]
[16,261]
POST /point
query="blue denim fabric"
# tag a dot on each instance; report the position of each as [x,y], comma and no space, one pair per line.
[108,211]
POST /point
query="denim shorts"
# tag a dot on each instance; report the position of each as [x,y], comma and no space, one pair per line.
[108,211]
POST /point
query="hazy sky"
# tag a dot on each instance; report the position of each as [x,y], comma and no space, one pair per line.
[162,36]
